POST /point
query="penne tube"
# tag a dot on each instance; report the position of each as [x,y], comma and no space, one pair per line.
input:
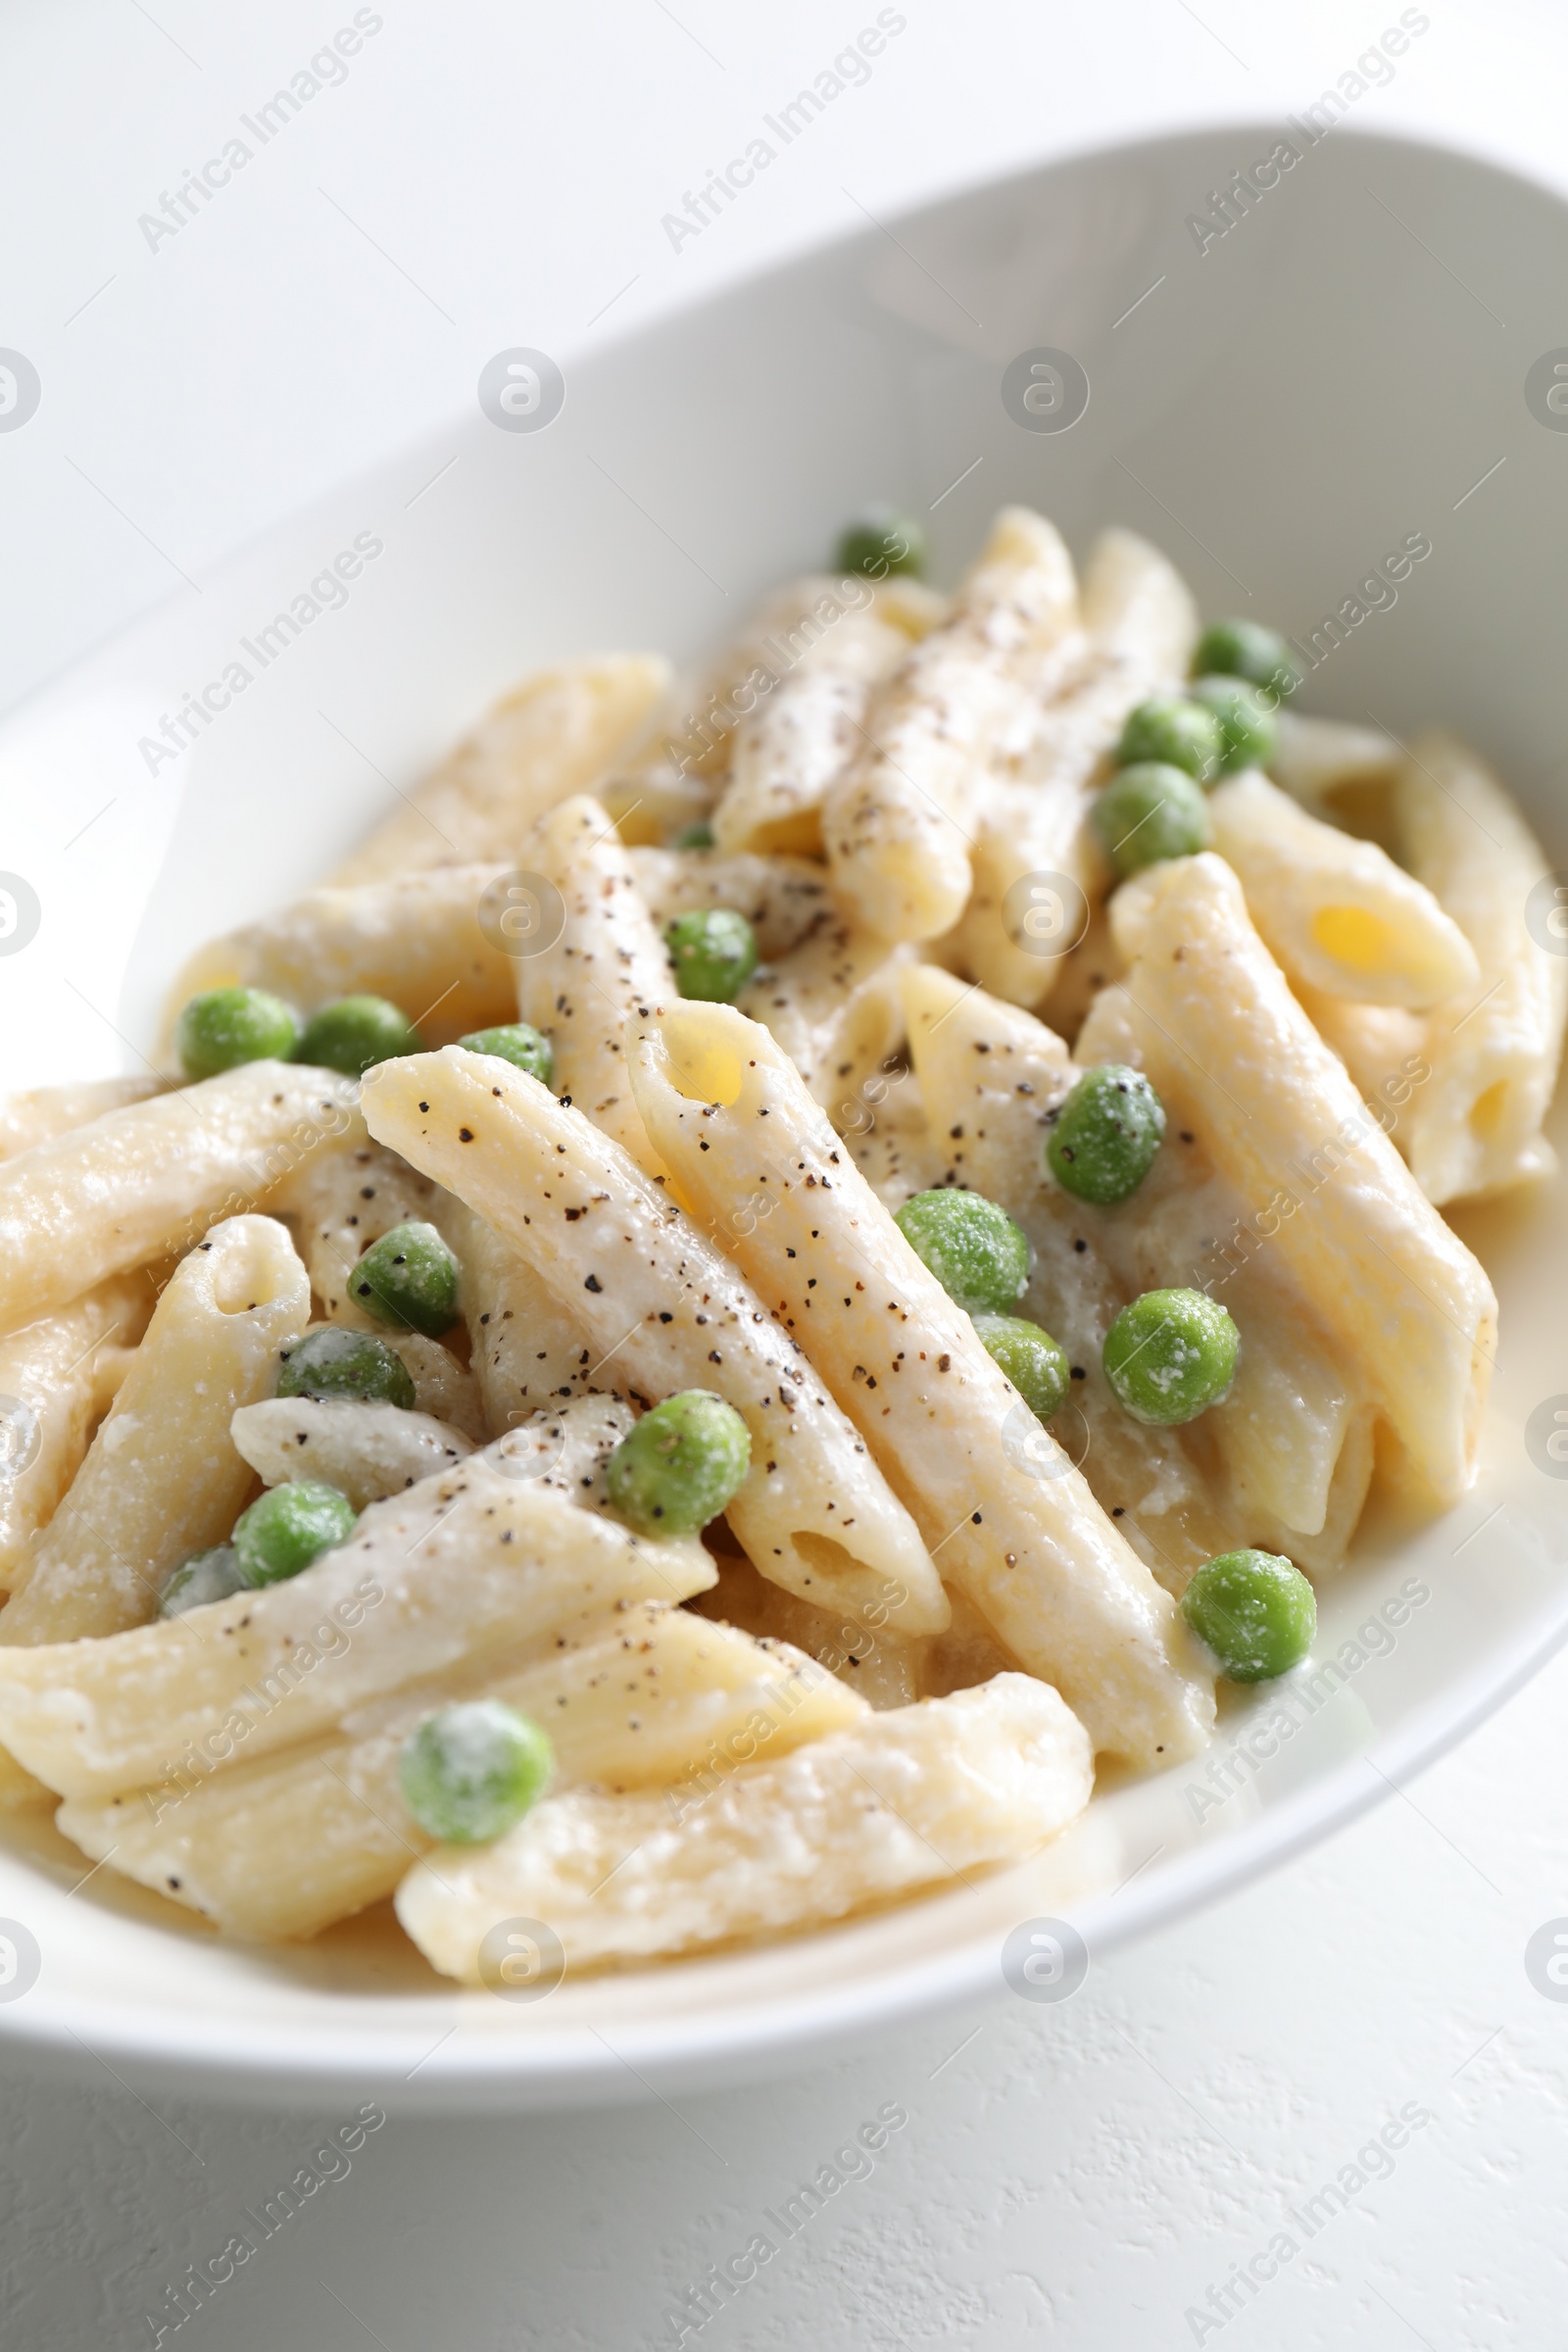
[427,940]
[554,735]
[163,1477]
[462,1568]
[879,1668]
[1035,852]
[53,1382]
[527,1351]
[1331,766]
[443,1387]
[147,1180]
[45,1112]
[662,1299]
[1334,912]
[992,1076]
[342,1201]
[1494,1049]
[904,1801]
[789,751]
[606,965]
[900,824]
[1382,1045]
[366,1450]
[685,765]
[1206,1013]
[783,899]
[835,1008]
[282,1847]
[1012,1523]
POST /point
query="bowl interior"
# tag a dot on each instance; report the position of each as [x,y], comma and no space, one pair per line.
[1278,406]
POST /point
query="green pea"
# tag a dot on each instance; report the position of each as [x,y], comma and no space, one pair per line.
[1030,1357]
[1149,812]
[207,1576]
[1104,1134]
[699,836]
[1176,732]
[355,1033]
[518,1043]
[714,953]
[1170,1355]
[470,1771]
[882,541]
[680,1465]
[1245,649]
[1257,1612]
[227,1026]
[334,1363]
[1246,721]
[973,1248]
[409,1278]
[287,1528]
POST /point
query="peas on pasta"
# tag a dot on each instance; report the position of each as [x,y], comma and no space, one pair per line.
[1246,723]
[287,1528]
[1175,731]
[517,1042]
[410,1277]
[353,1033]
[1245,649]
[1106,1134]
[207,1576]
[228,1026]
[681,1464]
[1149,813]
[1257,1612]
[714,951]
[471,1771]
[1030,1357]
[1170,1355]
[334,1364]
[972,1247]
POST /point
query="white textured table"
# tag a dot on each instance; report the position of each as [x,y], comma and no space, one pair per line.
[1185,2150]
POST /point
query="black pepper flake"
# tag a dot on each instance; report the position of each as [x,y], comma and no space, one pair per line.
[1079,1373]
[593,1283]
[464,1134]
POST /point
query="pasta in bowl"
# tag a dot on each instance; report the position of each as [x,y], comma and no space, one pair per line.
[767,1280]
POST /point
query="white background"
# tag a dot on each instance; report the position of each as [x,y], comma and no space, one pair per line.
[1080,2175]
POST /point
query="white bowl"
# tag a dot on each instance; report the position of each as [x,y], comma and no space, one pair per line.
[1278,411]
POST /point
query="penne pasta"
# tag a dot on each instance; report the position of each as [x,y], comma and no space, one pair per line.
[789,751]
[1014,1526]
[662,1299]
[1334,912]
[147,1180]
[342,1201]
[992,1077]
[913,1798]
[1333,768]
[866,1658]
[554,735]
[1495,1048]
[284,1847]
[835,1008]
[783,899]
[1382,1045]
[527,1351]
[366,1450]
[606,965]
[55,1381]
[1035,852]
[427,940]
[163,1477]
[45,1112]
[900,824]
[464,1567]
[1205,1010]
